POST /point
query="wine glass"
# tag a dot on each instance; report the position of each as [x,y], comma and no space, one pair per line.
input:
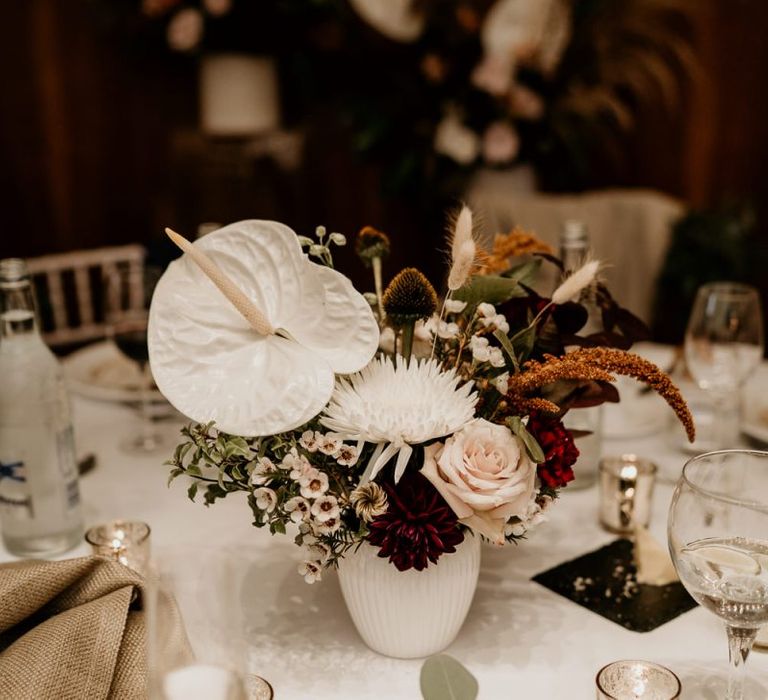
[723,345]
[127,294]
[718,538]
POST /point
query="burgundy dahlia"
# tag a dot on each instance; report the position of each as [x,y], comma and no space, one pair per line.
[418,526]
[560,453]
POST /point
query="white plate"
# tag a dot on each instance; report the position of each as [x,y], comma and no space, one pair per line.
[100,371]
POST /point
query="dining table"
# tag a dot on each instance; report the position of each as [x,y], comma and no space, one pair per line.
[520,640]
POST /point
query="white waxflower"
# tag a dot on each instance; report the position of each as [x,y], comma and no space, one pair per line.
[502,383]
[317,551]
[310,440]
[262,470]
[327,527]
[298,508]
[296,463]
[497,320]
[325,508]
[454,306]
[311,571]
[496,357]
[347,455]
[329,443]
[266,499]
[481,351]
[396,407]
[486,310]
[314,483]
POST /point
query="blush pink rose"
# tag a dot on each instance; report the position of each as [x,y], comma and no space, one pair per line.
[485,475]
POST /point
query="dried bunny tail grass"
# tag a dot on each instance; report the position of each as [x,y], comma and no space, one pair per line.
[596,364]
[576,282]
[463,250]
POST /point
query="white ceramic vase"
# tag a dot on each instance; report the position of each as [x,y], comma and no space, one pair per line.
[409,614]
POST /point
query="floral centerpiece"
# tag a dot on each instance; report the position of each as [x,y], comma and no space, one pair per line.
[398,423]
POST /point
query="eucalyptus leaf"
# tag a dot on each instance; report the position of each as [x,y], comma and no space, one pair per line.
[525,272]
[507,346]
[444,678]
[489,288]
[531,445]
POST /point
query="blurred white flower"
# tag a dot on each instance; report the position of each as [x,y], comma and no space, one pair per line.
[481,352]
[266,499]
[501,143]
[311,571]
[494,73]
[502,383]
[329,444]
[422,340]
[261,471]
[298,464]
[313,483]
[443,329]
[298,508]
[497,320]
[318,551]
[525,103]
[496,357]
[217,8]
[325,508]
[347,455]
[455,140]
[454,306]
[309,440]
[327,527]
[185,29]
[486,310]
[395,19]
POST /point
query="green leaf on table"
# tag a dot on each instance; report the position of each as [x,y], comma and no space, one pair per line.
[174,473]
[444,678]
[192,490]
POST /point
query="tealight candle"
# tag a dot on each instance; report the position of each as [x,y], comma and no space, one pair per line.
[626,492]
[637,680]
[123,541]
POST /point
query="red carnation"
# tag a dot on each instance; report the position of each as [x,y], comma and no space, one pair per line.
[418,526]
[560,453]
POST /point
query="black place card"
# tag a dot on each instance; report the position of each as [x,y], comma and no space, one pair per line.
[605,582]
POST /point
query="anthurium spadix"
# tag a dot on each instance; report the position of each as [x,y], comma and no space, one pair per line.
[265,361]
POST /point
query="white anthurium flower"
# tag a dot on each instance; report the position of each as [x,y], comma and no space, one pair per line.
[213,366]
[397,407]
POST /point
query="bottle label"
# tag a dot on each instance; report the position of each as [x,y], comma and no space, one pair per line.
[14,494]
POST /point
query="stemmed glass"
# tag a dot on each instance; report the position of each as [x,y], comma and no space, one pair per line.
[127,294]
[718,538]
[723,345]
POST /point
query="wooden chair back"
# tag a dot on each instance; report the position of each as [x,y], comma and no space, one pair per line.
[71,292]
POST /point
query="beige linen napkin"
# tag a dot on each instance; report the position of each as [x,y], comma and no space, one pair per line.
[71,629]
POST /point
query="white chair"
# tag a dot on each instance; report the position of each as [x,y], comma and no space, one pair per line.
[70,286]
[629,229]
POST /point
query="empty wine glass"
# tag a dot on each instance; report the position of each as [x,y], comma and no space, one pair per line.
[723,345]
[127,294]
[718,538]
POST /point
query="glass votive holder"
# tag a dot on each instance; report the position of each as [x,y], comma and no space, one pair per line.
[626,492]
[637,680]
[124,541]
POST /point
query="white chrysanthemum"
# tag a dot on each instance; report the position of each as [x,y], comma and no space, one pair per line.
[396,407]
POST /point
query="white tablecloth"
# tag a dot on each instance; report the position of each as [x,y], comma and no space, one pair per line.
[520,640]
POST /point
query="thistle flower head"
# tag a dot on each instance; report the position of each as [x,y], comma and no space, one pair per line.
[371,243]
[409,297]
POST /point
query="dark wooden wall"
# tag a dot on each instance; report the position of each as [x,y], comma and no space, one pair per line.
[87,126]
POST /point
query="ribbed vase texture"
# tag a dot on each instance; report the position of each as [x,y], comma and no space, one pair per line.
[409,614]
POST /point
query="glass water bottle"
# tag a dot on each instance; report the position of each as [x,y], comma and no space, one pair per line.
[39,496]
